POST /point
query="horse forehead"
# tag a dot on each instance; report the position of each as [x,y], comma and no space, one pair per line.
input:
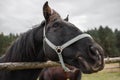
[66,27]
[60,22]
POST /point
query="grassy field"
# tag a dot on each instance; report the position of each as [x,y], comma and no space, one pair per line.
[109,73]
[102,76]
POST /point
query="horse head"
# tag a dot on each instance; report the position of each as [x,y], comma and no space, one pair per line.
[84,53]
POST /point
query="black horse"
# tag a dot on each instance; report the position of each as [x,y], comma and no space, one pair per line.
[85,54]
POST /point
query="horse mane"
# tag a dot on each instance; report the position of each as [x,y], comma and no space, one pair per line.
[24,47]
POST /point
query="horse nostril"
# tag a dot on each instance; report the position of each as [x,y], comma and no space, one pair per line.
[92,50]
[95,53]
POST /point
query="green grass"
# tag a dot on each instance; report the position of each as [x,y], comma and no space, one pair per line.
[106,74]
[102,76]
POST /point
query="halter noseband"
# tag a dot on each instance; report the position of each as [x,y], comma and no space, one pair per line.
[59,49]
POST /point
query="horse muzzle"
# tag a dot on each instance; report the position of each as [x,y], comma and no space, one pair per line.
[95,60]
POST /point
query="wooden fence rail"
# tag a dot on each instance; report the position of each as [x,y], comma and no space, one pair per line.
[112,60]
[26,65]
[38,65]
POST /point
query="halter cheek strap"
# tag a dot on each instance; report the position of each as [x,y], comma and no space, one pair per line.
[59,49]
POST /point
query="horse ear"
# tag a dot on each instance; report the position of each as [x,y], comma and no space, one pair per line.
[46,11]
[67,18]
[49,14]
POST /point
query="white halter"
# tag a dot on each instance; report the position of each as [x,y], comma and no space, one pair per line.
[59,49]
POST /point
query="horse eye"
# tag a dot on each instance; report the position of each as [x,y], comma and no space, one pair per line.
[56,25]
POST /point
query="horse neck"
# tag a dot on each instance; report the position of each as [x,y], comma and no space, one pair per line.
[27,48]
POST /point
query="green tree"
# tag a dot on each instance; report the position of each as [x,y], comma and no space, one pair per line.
[117,34]
[5,41]
[108,41]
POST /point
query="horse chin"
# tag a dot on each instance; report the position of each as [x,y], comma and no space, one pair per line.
[87,68]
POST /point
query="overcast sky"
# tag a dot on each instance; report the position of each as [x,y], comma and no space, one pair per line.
[17,16]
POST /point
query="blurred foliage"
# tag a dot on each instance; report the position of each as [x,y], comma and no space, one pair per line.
[5,41]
